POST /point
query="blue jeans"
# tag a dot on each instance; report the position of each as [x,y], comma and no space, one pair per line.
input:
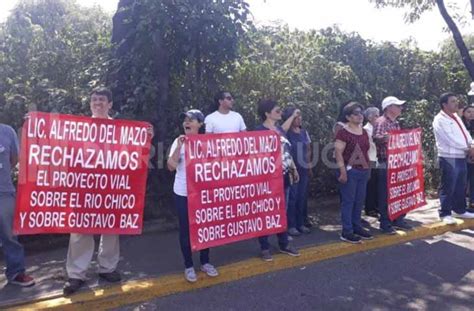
[12,250]
[283,236]
[452,195]
[352,199]
[298,201]
[181,204]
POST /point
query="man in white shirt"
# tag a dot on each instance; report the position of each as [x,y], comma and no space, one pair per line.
[224,120]
[371,114]
[81,246]
[454,143]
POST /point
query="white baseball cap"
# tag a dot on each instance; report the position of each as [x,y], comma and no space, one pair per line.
[391,100]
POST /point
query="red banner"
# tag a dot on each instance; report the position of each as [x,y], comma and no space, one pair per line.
[405,180]
[235,187]
[81,175]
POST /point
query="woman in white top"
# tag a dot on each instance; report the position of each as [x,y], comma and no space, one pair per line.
[371,114]
[193,123]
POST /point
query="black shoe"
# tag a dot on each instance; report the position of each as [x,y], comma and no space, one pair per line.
[71,286]
[402,225]
[290,251]
[351,238]
[293,232]
[304,229]
[372,214]
[364,234]
[388,230]
[112,277]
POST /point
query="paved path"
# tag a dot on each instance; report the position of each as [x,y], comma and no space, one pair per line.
[431,274]
[147,261]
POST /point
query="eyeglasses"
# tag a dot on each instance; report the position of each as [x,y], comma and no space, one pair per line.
[229,98]
[356,113]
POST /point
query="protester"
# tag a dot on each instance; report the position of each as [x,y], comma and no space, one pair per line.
[12,249]
[298,137]
[352,146]
[270,113]
[371,114]
[81,246]
[453,143]
[223,119]
[341,123]
[468,120]
[193,123]
[392,108]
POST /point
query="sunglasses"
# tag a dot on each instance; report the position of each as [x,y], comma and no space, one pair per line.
[356,113]
[229,98]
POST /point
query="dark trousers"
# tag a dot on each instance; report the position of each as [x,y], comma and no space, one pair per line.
[298,201]
[181,204]
[283,236]
[382,199]
[452,195]
[470,179]
[371,195]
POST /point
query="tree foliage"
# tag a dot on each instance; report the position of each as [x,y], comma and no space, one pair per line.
[161,57]
[418,7]
[170,55]
[51,53]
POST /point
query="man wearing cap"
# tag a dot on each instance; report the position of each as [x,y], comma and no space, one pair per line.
[454,143]
[392,109]
[223,119]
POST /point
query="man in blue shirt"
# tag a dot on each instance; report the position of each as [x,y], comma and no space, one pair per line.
[12,249]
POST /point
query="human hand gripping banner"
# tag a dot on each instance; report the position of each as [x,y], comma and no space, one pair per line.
[405,179]
[81,175]
[235,187]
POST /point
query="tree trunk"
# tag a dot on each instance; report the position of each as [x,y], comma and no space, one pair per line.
[162,71]
[123,39]
[461,45]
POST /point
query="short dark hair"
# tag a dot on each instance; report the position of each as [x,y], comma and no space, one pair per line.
[443,99]
[467,107]
[265,106]
[219,96]
[350,108]
[102,90]
[341,117]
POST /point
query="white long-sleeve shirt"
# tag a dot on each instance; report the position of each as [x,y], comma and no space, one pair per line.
[373,149]
[452,138]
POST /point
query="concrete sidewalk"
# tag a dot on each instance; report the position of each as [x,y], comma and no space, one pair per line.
[156,254]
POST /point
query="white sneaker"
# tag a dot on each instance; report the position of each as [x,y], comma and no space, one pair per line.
[190,275]
[209,270]
[464,215]
[449,220]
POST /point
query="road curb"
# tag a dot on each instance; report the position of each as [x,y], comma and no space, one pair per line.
[142,290]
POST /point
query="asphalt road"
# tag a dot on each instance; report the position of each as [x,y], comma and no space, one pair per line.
[430,274]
